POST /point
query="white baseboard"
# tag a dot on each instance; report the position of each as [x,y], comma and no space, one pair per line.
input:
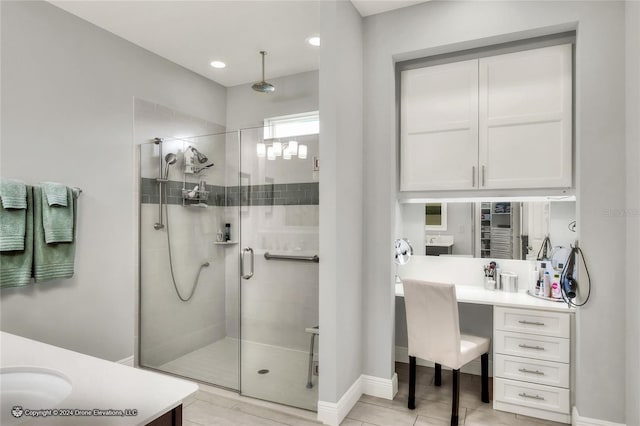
[379,387]
[128,361]
[332,414]
[474,367]
[577,420]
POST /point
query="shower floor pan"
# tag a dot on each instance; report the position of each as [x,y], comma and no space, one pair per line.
[284,383]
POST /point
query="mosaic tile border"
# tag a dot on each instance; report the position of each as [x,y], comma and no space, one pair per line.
[287,194]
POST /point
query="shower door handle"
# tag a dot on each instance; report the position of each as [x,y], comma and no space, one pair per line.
[245,251]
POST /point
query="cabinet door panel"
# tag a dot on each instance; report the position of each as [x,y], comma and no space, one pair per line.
[433,161]
[525,155]
[439,127]
[525,130]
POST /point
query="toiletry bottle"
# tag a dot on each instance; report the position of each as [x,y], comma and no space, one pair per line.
[541,270]
[555,286]
[227,232]
[533,281]
[188,161]
[546,285]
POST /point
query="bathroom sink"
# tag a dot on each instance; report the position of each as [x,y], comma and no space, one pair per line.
[30,388]
[439,240]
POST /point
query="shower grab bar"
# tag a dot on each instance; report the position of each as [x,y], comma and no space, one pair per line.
[270,256]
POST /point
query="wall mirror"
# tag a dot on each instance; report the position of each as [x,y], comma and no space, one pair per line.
[489,229]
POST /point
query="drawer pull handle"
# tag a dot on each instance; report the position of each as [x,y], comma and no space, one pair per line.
[524,370]
[524,395]
[530,322]
[538,348]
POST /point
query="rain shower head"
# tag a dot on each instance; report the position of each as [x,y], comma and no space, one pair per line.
[169,159]
[200,156]
[263,86]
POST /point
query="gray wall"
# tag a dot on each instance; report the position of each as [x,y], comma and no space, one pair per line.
[633,210]
[437,27]
[341,201]
[294,94]
[67,116]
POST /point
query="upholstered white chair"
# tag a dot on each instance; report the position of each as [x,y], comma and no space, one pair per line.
[433,328]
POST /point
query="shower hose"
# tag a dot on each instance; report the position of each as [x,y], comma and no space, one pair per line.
[173,278]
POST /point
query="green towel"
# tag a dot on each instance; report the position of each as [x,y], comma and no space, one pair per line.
[13,194]
[57,220]
[13,215]
[55,193]
[51,261]
[12,229]
[15,266]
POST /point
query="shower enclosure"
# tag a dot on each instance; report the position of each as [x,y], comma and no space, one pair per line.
[228,262]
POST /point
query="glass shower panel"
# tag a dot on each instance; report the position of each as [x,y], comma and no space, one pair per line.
[189,298]
[278,199]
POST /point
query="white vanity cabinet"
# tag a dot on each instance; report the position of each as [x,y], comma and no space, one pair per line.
[497,122]
[532,362]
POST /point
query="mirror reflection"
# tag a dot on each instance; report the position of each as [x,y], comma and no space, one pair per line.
[491,229]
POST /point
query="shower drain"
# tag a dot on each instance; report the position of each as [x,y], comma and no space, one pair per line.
[263,371]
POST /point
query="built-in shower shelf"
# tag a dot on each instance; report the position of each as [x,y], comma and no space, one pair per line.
[225,243]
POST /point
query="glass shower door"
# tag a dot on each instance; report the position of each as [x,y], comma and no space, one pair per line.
[189,296]
[278,199]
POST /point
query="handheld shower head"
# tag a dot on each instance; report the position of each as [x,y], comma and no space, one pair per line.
[169,159]
[200,156]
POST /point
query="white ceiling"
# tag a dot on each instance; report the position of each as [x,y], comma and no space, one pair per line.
[194,33]
[373,7]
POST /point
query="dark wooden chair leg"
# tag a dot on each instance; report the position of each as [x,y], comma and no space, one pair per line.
[412,383]
[484,362]
[456,398]
[438,379]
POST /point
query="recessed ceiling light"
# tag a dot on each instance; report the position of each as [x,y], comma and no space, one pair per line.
[218,64]
[314,40]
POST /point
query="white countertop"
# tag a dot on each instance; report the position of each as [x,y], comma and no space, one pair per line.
[446,244]
[480,296]
[97,383]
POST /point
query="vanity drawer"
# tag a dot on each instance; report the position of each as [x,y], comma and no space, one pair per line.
[531,370]
[531,346]
[545,323]
[531,395]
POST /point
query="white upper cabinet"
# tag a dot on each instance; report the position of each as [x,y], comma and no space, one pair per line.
[499,122]
[439,122]
[525,119]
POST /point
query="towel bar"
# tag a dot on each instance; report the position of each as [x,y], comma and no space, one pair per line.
[313,258]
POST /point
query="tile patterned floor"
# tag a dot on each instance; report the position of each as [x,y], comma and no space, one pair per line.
[433,407]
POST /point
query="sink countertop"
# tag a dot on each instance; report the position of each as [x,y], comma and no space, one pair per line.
[97,383]
[439,240]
